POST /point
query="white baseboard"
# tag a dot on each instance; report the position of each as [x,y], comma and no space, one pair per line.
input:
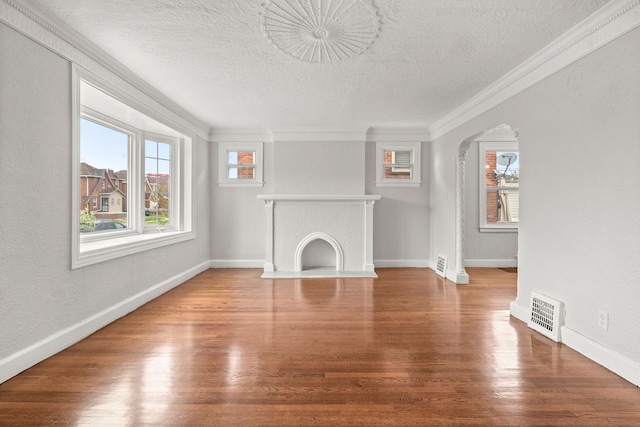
[519,312]
[378,263]
[236,263]
[615,362]
[401,263]
[491,263]
[24,359]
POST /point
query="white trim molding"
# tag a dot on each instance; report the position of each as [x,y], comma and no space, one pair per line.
[236,263]
[397,134]
[492,263]
[402,263]
[240,135]
[615,362]
[39,351]
[608,23]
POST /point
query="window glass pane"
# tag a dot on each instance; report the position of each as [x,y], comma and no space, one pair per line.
[502,166]
[104,154]
[241,165]
[503,206]
[399,164]
[242,173]
[164,151]
[502,179]
[157,183]
[232,157]
[246,157]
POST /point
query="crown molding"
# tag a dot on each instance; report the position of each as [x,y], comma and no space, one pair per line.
[240,135]
[605,25]
[398,135]
[63,41]
[317,135]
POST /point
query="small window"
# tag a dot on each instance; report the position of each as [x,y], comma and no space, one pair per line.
[398,164]
[499,186]
[240,164]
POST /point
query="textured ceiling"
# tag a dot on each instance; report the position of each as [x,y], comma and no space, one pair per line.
[214,59]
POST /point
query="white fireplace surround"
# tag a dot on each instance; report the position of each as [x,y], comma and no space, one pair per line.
[293,222]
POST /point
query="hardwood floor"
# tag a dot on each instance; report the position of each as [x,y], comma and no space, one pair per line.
[407,349]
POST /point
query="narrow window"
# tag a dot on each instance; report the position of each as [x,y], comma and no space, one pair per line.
[158,176]
[499,186]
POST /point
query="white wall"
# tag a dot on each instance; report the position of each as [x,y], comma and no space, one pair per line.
[401,218]
[579,231]
[237,217]
[319,167]
[46,306]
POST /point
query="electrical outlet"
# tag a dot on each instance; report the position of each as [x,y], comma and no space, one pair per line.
[603,319]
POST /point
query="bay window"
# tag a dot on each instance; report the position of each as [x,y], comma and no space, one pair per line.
[132,175]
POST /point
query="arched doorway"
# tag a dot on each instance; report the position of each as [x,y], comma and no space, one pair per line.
[461,275]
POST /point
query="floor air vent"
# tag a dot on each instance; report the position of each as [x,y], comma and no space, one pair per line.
[441,266]
[545,316]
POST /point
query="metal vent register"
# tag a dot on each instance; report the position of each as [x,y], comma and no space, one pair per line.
[441,266]
[545,315]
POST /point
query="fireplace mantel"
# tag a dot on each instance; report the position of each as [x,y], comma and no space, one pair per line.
[318,198]
[343,221]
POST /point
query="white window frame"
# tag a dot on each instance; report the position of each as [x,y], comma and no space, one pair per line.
[483,147]
[224,148]
[174,154]
[92,248]
[416,173]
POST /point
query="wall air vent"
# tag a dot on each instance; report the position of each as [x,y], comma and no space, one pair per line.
[441,266]
[546,316]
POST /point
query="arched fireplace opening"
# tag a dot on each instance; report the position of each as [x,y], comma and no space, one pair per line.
[319,251]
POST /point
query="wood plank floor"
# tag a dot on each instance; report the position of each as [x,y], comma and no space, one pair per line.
[407,349]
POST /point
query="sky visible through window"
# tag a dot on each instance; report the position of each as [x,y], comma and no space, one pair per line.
[103,147]
[233,160]
[513,167]
[106,148]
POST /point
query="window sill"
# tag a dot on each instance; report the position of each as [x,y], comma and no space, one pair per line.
[499,229]
[107,249]
[240,184]
[398,184]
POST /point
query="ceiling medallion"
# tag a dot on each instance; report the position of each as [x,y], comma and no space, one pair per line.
[321,30]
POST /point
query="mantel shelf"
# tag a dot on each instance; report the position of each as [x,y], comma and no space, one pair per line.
[318,198]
